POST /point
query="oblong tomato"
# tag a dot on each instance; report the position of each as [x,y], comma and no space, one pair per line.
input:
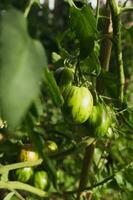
[100,119]
[41,180]
[78,103]
[51,147]
[24,174]
[64,76]
[28,155]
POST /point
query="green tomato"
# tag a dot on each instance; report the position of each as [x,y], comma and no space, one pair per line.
[24,174]
[28,155]
[99,120]
[51,147]
[64,76]
[78,103]
[41,180]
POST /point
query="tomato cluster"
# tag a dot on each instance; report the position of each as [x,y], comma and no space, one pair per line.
[78,101]
[78,104]
[39,178]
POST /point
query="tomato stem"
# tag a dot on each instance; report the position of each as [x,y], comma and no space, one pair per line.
[13,185]
[85,167]
[4,169]
[116,22]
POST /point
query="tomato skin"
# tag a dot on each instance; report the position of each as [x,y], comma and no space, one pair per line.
[51,147]
[41,180]
[99,120]
[78,103]
[64,76]
[28,155]
[24,174]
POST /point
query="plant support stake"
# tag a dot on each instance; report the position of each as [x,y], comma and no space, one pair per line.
[116,22]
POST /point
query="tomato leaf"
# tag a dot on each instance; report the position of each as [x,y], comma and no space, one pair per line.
[53,88]
[83,23]
[22,61]
[91,64]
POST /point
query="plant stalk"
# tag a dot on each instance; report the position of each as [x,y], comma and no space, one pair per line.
[13,185]
[85,168]
[116,22]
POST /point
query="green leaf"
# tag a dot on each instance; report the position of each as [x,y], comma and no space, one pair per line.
[119,179]
[83,23]
[129,175]
[53,88]
[91,64]
[22,61]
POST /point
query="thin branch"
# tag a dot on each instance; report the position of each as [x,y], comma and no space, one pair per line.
[124,4]
[126,9]
[97,11]
[104,181]
[27,10]
[18,195]
[106,45]
[15,185]
[9,167]
[85,167]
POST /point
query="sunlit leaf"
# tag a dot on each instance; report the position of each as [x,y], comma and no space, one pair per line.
[91,64]
[83,23]
[53,88]
[22,62]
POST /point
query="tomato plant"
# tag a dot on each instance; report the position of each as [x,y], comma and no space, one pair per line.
[66,90]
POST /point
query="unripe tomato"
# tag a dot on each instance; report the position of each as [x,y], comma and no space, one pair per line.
[78,103]
[64,76]
[41,180]
[28,155]
[51,147]
[24,174]
[99,120]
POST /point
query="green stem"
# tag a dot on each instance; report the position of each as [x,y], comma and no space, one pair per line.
[18,195]
[71,3]
[124,4]
[97,11]
[6,168]
[126,9]
[116,21]
[15,185]
[85,167]
[27,10]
